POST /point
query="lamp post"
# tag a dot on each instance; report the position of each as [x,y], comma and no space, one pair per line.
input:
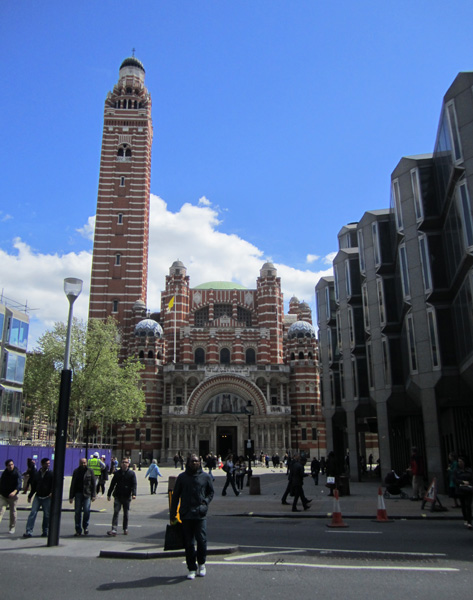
[141,452]
[72,289]
[122,429]
[250,409]
[88,414]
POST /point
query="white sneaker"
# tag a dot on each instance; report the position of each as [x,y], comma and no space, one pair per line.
[12,530]
[191,575]
[201,571]
[112,532]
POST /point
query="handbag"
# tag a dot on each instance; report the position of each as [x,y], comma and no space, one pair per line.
[331,480]
[174,538]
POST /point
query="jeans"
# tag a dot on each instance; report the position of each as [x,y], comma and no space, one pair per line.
[45,504]
[119,503]
[11,502]
[230,481]
[81,504]
[195,529]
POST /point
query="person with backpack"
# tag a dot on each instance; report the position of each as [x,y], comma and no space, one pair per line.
[229,469]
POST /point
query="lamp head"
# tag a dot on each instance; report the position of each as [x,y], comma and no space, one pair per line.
[72,288]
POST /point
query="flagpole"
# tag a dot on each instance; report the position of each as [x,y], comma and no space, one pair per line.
[174,332]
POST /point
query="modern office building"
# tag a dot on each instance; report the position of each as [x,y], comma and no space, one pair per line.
[223,363]
[396,320]
[14,324]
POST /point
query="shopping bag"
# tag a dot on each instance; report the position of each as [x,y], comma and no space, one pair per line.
[174,538]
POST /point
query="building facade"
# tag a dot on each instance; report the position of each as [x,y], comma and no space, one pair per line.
[396,319]
[222,363]
[14,325]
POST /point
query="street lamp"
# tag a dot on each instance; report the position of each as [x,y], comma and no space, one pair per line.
[122,429]
[250,409]
[88,414]
[72,289]
[141,451]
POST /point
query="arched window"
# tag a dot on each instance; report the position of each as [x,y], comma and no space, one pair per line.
[199,356]
[250,356]
[115,306]
[141,354]
[150,354]
[309,356]
[128,152]
[292,356]
[301,356]
[224,356]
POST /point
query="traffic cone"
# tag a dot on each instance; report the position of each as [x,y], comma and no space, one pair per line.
[337,520]
[382,515]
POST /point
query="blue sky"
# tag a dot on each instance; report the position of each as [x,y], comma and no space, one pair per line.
[275,123]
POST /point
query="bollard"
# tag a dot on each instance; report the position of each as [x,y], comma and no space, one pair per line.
[255,485]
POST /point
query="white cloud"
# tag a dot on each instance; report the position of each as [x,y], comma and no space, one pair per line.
[328,259]
[190,235]
[310,258]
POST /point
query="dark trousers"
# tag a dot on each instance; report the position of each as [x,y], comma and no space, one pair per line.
[230,481]
[120,502]
[287,492]
[298,492]
[465,502]
[153,484]
[195,530]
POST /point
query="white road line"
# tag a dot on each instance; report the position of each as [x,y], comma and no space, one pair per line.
[329,550]
[338,567]
[348,531]
[255,554]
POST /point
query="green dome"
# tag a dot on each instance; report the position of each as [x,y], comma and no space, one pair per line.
[220,285]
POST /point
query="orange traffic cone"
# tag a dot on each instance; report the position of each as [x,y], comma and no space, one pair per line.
[382,515]
[337,520]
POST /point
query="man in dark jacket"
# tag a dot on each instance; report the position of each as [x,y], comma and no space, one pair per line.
[194,489]
[123,488]
[42,490]
[10,486]
[82,492]
[297,481]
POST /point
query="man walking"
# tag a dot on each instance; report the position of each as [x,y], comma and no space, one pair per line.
[194,489]
[82,492]
[123,488]
[10,486]
[297,482]
[42,490]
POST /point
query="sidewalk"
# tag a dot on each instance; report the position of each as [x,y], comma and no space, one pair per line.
[362,503]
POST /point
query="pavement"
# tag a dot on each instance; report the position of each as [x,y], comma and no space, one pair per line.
[363,502]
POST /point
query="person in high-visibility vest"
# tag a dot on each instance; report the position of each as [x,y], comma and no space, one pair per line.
[96,464]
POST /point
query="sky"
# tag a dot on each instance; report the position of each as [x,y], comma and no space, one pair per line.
[276,122]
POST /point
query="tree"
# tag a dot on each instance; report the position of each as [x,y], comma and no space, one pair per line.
[100,381]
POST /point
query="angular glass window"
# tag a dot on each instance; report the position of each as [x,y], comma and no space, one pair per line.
[425,263]
[417,193]
[380,293]
[335,276]
[454,134]
[355,378]
[339,330]
[376,245]
[433,336]
[361,253]
[386,361]
[348,278]
[366,313]
[465,212]
[351,327]
[411,342]
[329,345]
[396,201]
[369,361]
[406,289]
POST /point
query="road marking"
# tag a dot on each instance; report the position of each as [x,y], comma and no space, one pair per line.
[255,554]
[384,552]
[348,531]
[337,567]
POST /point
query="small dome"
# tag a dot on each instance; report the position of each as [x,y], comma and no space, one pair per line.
[132,62]
[301,329]
[294,300]
[148,328]
[268,270]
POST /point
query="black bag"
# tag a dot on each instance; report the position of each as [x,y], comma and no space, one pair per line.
[226,468]
[174,538]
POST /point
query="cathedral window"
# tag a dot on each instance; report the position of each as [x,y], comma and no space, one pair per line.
[222,310]
[199,356]
[115,306]
[201,317]
[122,181]
[120,218]
[250,356]
[301,356]
[118,260]
[224,356]
[150,354]
[244,316]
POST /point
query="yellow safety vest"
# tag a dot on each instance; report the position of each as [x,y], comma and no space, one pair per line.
[94,464]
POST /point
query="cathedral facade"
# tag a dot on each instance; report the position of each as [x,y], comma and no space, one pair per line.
[225,369]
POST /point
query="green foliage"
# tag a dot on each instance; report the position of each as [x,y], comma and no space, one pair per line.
[100,381]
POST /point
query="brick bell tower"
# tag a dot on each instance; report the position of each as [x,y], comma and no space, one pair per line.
[120,255]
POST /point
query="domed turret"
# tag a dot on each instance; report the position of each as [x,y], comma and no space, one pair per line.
[301,329]
[177,268]
[131,66]
[148,328]
[268,270]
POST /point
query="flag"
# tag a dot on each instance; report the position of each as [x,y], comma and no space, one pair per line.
[171,303]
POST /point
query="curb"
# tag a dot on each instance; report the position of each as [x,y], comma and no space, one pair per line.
[145,555]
